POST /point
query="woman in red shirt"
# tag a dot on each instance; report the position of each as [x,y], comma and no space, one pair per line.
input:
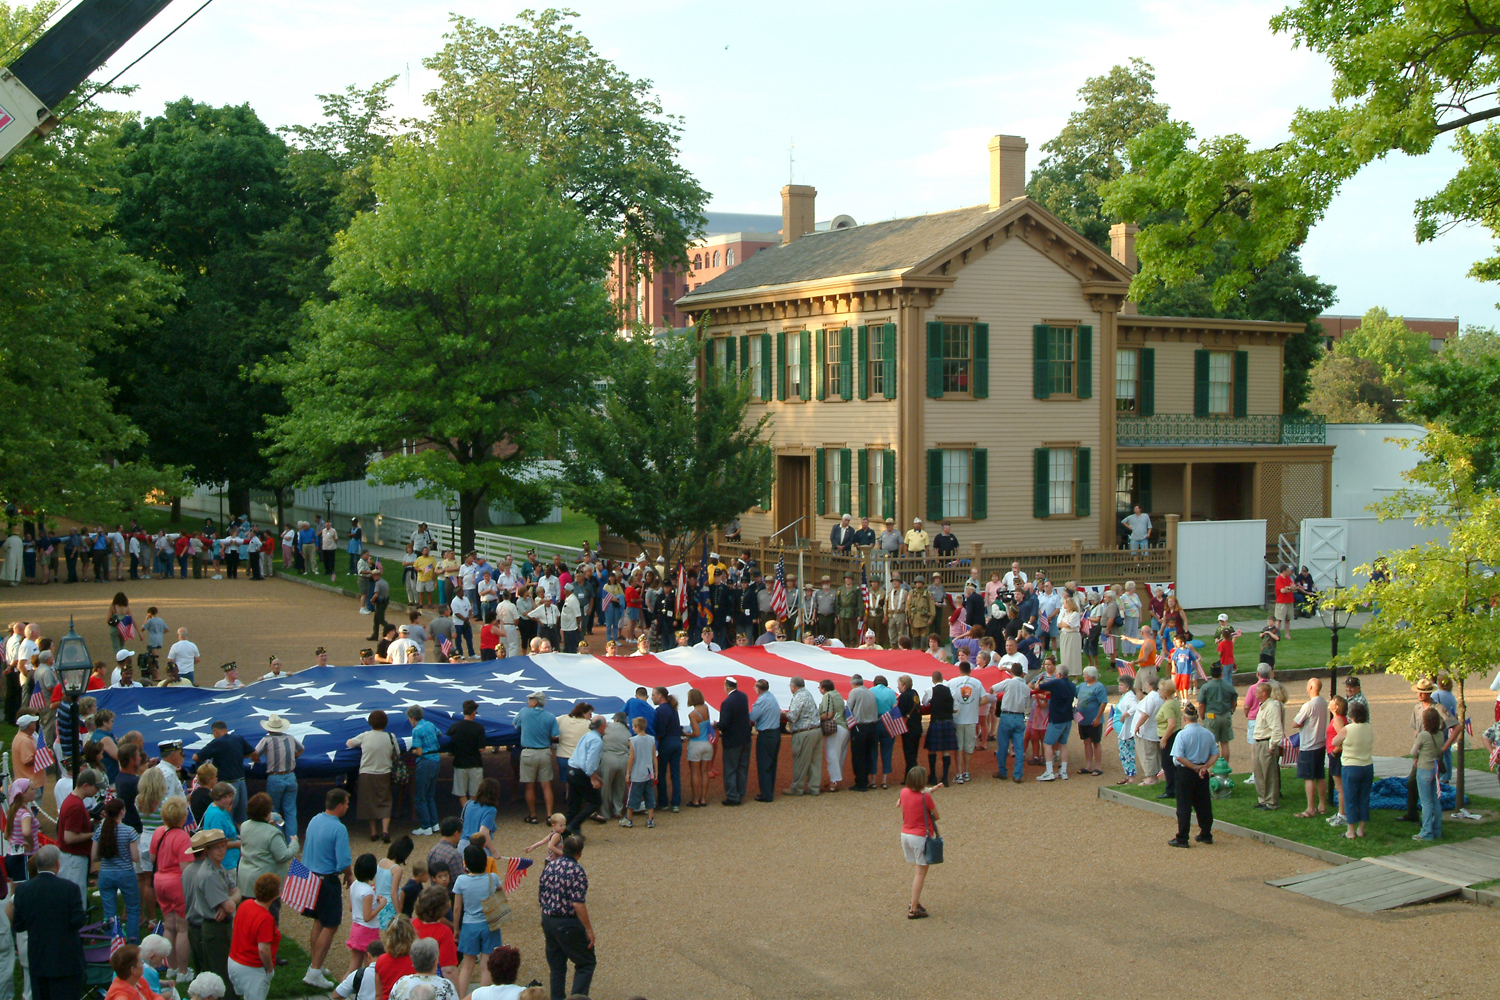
[432,909]
[252,948]
[397,939]
[489,637]
[919,817]
[171,848]
[632,620]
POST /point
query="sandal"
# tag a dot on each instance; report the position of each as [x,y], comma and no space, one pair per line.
[1304,815]
[1123,781]
[912,914]
[532,820]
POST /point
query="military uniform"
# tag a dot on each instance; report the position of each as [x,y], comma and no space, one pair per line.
[848,604]
[920,611]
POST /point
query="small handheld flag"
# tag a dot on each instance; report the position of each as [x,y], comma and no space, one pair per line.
[515,871]
[895,723]
[44,758]
[116,936]
[300,890]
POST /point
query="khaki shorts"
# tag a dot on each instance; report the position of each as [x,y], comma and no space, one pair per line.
[700,750]
[965,737]
[1284,612]
[1223,729]
[537,765]
[466,781]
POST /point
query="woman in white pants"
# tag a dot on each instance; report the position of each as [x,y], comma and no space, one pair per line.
[831,708]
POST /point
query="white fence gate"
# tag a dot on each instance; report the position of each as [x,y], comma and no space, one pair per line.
[1352,542]
[1324,550]
[1221,563]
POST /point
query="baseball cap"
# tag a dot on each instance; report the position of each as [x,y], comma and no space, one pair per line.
[1223,618]
[122,655]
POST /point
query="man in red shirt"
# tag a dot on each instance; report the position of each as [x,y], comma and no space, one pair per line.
[1285,596]
[75,831]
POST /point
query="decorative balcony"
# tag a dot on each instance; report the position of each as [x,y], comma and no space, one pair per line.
[1184,429]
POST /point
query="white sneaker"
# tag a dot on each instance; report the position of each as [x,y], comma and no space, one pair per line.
[1337,819]
[1049,776]
[1063,775]
[365,611]
[316,978]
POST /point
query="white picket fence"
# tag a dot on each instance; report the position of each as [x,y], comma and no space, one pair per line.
[395,532]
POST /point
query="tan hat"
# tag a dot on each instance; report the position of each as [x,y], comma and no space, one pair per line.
[275,724]
[1424,686]
[204,839]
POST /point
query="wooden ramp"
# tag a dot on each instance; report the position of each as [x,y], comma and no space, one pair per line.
[1422,876]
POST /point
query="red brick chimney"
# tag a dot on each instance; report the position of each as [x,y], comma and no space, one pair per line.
[797,213]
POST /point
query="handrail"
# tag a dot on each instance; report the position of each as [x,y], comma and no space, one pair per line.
[397,531]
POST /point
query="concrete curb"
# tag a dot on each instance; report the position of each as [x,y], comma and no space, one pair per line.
[1110,795]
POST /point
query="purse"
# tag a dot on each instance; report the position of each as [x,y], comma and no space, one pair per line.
[932,847]
[400,775]
[829,727]
[497,912]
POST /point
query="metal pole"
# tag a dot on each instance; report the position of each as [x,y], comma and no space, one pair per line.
[801,583]
[77,741]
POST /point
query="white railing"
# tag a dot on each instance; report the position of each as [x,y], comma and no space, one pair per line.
[395,532]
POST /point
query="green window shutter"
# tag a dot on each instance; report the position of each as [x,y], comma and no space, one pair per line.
[864,482]
[935,360]
[780,364]
[934,484]
[1041,377]
[1081,488]
[846,504]
[981,361]
[822,382]
[862,342]
[1145,393]
[745,356]
[708,358]
[1085,350]
[846,363]
[822,488]
[888,360]
[1041,490]
[1200,383]
[729,359]
[1143,487]
[767,376]
[979,478]
[806,338]
[888,484]
[1241,383]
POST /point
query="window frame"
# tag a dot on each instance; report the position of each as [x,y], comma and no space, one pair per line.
[961,382]
[833,482]
[832,373]
[753,347]
[792,364]
[875,337]
[1054,451]
[1134,399]
[1227,359]
[1055,366]
[956,457]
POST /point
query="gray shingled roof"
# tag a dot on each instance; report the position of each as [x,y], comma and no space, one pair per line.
[878,246]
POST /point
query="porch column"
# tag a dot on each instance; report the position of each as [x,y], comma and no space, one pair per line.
[1187,491]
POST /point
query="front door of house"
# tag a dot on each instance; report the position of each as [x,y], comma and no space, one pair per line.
[793,498]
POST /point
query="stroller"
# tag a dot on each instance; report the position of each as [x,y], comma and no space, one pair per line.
[97,975]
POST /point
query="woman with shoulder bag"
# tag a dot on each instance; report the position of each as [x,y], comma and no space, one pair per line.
[920,843]
[835,732]
[378,757]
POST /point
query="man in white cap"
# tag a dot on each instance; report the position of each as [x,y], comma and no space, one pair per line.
[122,657]
[403,648]
[23,748]
[570,618]
[916,540]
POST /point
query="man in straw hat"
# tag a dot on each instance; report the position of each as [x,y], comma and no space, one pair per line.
[212,897]
[280,750]
[1424,689]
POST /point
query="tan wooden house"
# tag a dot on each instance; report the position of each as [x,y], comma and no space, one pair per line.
[982,366]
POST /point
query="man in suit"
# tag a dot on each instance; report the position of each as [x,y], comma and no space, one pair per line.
[843,536]
[734,732]
[50,908]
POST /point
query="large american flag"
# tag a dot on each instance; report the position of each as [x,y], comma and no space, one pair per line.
[778,588]
[300,890]
[515,871]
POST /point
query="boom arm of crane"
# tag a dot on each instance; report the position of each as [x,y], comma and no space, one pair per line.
[61,59]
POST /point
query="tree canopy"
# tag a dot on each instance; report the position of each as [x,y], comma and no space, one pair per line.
[600,138]
[667,456]
[1403,75]
[465,311]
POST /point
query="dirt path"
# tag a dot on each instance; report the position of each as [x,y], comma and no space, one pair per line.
[805,898]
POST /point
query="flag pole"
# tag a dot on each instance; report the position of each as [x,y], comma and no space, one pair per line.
[801,612]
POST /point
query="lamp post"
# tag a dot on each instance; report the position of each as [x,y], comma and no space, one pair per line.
[1334,619]
[328,495]
[74,665]
[453,513]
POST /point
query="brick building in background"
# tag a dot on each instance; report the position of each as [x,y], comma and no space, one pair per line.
[1335,325]
[730,238]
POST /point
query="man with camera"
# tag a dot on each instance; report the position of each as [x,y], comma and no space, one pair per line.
[75,830]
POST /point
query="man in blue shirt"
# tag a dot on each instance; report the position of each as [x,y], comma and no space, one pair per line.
[1194,752]
[765,716]
[1093,699]
[1061,694]
[885,743]
[1030,646]
[584,780]
[539,731]
[326,854]
[228,752]
[639,708]
[424,742]
[666,726]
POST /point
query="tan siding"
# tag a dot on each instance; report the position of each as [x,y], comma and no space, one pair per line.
[1013,288]
[1174,377]
[1264,383]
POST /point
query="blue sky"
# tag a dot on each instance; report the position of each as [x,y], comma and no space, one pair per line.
[889,104]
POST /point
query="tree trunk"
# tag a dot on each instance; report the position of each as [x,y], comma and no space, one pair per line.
[280,507]
[1458,775]
[238,499]
[176,515]
[469,504]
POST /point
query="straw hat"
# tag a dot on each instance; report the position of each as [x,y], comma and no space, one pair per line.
[275,724]
[1424,686]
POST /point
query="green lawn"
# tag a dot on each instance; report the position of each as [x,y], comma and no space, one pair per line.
[288,982]
[1384,834]
[1204,619]
[574,529]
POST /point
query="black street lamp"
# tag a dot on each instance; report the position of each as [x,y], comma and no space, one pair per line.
[328,495]
[1334,619]
[74,664]
[453,513]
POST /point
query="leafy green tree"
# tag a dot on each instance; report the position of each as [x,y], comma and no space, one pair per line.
[667,456]
[201,187]
[1435,616]
[1403,74]
[465,311]
[1090,150]
[1473,343]
[602,139]
[1388,343]
[1348,390]
[74,291]
[1463,396]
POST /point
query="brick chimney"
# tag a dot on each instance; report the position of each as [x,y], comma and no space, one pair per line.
[1007,169]
[1122,249]
[797,214]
